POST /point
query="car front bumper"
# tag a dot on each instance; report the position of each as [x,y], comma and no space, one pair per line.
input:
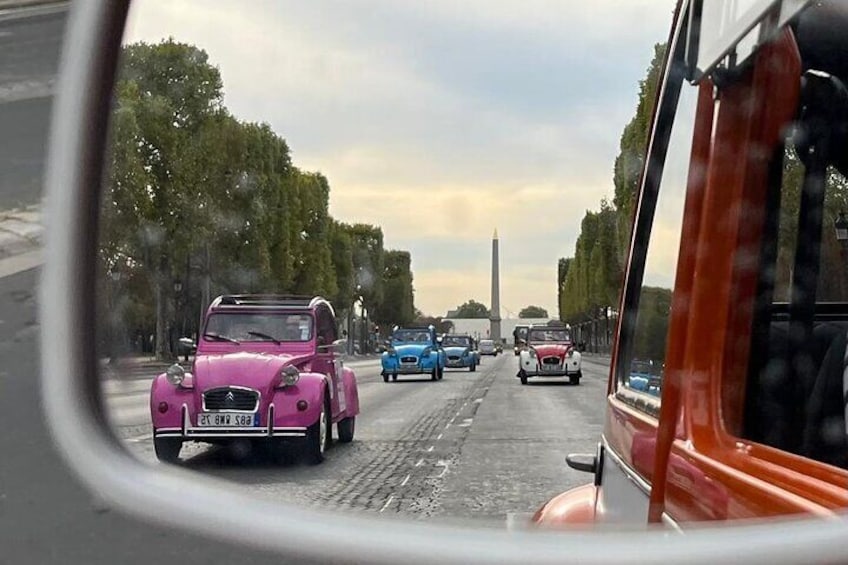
[188,432]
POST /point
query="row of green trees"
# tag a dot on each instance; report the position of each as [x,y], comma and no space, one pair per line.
[474,309]
[198,203]
[591,279]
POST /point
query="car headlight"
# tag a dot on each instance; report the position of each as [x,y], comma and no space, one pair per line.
[391,351]
[465,353]
[532,353]
[175,374]
[289,375]
[570,353]
[426,352]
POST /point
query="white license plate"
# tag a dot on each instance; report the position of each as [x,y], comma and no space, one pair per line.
[224,420]
[551,368]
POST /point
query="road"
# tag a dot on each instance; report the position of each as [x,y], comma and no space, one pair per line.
[30,41]
[474,446]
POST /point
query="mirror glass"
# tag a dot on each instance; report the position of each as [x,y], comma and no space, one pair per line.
[297,192]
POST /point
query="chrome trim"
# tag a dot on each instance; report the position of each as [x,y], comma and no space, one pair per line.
[628,471]
[248,389]
[671,522]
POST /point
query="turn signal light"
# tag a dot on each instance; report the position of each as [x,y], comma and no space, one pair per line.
[163,407]
[302,405]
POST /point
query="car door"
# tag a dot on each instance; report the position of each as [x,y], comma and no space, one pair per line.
[327,362]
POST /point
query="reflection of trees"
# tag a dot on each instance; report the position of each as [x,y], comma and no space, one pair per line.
[591,279]
[833,282]
[652,324]
[196,197]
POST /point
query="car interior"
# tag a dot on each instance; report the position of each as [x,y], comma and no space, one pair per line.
[796,397]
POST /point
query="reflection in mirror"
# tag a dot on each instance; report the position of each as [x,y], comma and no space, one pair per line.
[285,188]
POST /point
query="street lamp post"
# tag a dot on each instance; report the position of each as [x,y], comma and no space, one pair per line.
[178,289]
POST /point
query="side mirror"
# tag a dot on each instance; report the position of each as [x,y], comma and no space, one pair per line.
[187,343]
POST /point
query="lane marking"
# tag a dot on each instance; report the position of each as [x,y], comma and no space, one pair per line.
[389,501]
[439,437]
[429,449]
[137,439]
[406,480]
[420,462]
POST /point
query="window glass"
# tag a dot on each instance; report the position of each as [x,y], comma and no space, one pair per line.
[643,371]
[246,326]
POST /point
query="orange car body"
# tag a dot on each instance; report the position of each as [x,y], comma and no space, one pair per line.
[688,458]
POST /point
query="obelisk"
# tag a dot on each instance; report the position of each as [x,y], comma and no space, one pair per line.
[495,313]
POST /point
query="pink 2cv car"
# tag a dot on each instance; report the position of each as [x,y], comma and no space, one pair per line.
[266,369]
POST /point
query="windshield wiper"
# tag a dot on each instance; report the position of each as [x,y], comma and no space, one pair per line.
[217,337]
[265,336]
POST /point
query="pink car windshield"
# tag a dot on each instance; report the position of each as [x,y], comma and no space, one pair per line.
[259,326]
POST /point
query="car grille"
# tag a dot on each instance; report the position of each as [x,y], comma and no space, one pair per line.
[409,359]
[229,398]
[551,361]
[454,358]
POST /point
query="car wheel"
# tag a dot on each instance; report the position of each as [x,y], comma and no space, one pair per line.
[318,436]
[472,368]
[441,373]
[394,376]
[574,379]
[346,428]
[167,448]
[434,376]
[523,376]
[385,377]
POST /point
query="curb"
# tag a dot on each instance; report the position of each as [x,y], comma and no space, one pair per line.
[21,231]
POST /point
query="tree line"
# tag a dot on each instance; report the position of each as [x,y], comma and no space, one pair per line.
[591,279]
[198,203]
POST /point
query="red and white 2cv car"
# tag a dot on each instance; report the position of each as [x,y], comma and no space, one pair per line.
[265,369]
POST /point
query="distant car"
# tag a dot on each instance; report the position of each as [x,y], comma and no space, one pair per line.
[413,351]
[549,353]
[460,352]
[519,337]
[499,347]
[645,376]
[487,347]
[265,370]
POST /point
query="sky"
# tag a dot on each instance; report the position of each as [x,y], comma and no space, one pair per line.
[439,121]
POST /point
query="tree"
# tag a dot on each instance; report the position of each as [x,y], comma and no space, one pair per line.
[397,306]
[533,312]
[472,309]
[198,203]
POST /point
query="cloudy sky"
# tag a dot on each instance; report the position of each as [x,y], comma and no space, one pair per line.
[439,121]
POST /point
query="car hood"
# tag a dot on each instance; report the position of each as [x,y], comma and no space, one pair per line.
[253,370]
[558,349]
[411,348]
[455,350]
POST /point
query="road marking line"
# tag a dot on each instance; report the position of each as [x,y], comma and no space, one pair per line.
[406,480]
[136,439]
[429,449]
[448,425]
[439,437]
[389,501]
[420,461]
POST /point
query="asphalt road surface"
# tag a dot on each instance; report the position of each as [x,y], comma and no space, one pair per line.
[30,41]
[474,446]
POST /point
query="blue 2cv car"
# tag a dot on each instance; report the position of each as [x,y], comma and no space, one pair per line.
[414,351]
[460,352]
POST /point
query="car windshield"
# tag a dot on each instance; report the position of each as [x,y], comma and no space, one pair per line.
[259,326]
[411,336]
[556,336]
[456,341]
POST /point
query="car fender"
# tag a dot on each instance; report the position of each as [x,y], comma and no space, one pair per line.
[312,388]
[576,356]
[351,392]
[174,396]
[526,362]
[573,507]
